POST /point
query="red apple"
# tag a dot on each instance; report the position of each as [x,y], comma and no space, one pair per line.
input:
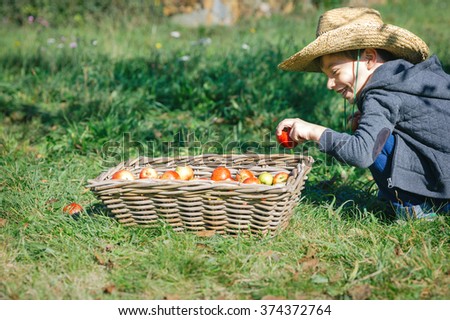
[285,140]
[251,180]
[280,178]
[148,173]
[123,175]
[170,175]
[185,172]
[220,174]
[244,174]
[73,209]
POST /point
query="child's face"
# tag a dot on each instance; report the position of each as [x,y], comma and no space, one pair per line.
[341,73]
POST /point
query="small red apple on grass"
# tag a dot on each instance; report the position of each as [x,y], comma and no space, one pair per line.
[73,209]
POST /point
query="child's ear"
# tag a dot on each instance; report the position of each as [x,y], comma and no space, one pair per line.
[370,57]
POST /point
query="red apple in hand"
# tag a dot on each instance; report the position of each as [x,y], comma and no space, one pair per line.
[185,172]
[123,175]
[285,140]
[148,173]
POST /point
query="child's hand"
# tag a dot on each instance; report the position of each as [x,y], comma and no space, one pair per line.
[301,130]
[353,120]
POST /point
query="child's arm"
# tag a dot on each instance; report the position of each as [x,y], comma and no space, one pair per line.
[359,149]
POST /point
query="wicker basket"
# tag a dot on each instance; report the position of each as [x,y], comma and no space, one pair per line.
[228,208]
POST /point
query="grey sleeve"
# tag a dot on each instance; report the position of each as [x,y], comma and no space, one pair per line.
[362,148]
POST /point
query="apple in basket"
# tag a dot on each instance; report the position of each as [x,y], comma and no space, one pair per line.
[123,175]
[266,178]
[244,174]
[148,173]
[280,178]
[251,180]
[170,175]
[221,174]
[185,172]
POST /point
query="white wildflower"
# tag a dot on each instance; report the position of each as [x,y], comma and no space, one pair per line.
[175,34]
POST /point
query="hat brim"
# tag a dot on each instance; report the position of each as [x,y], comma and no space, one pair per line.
[400,42]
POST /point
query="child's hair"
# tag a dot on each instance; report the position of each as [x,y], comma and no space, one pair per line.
[353,54]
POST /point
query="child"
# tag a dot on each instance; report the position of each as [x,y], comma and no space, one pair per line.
[403,100]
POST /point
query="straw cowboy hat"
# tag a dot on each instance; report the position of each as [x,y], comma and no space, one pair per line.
[356,28]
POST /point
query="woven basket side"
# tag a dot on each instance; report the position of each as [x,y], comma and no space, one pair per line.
[225,208]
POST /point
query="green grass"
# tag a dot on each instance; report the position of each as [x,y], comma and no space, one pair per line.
[61,108]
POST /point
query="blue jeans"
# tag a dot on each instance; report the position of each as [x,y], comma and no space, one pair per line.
[406,205]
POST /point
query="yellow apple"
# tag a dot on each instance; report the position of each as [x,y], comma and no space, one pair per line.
[266,178]
[185,172]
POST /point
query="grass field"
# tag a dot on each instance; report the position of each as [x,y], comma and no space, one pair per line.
[67,93]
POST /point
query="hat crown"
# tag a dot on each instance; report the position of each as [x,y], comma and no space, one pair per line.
[340,17]
[352,28]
